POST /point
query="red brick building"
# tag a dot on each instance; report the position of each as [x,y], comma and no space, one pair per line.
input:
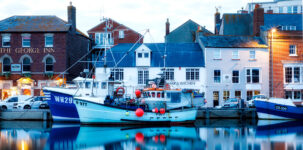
[34,50]
[114,34]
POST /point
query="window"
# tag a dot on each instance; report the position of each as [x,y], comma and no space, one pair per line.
[146,55]
[49,64]
[295,9]
[237,94]
[252,54]
[225,95]
[143,76]
[6,40]
[280,9]
[121,34]
[292,50]
[139,55]
[288,95]
[292,74]
[217,76]
[117,74]
[250,94]
[169,74]
[104,38]
[289,9]
[296,74]
[26,40]
[235,78]
[6,64]
[192,74]
[26,66]
[235,54]
[288,74]
[87,85]
[294,95]
[49,40]
[252,76]
[217,54]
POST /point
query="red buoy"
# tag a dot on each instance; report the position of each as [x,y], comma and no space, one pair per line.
[139,112]
[138,93]
[162,111]
[162,138]
[139,137]
[156,138]
[156,110]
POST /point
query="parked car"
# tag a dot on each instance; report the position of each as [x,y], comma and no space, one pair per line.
[36,102]
[12,102]
[234,103]
[251,102]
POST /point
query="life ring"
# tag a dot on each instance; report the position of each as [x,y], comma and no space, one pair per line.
[120,91]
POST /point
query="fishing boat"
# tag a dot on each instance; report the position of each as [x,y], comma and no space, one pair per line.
[155,104]
[278,108]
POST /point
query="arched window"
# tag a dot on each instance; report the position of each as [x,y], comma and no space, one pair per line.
[49,64]
[26,65]
[6,64]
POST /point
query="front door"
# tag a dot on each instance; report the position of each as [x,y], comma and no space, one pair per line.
[216,98]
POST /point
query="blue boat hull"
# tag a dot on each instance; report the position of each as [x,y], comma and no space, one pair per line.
[271,110]
[62,106]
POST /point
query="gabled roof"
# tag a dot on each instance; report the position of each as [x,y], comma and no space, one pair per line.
[178,55]
[219,41]
[35,24]
[237,24]
[185,32]
[275,20]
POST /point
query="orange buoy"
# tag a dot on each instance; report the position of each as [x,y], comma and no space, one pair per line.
[139,137]
[162,138]
[162,111]
[139,112]
[138,93]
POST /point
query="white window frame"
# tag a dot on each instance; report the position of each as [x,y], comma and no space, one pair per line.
[121,34]
[100,38]
[145,76]
[4,38]
[140,54]
[146,53]
[235,54]
[293,48]
[292,69]
[251,76]
[27,64]
[219,77]
[217,54]
[45,40]
[252,54]
[117,74]
[23,40]
[235,77]
[192,74]
[169,74]
[48,64]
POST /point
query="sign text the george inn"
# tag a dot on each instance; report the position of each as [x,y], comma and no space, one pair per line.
[28,50]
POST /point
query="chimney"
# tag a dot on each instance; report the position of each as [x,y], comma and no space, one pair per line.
[167,27]
[71,14]
[217,21]
[258,19]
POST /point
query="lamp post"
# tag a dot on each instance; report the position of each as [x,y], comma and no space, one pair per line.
[271,62]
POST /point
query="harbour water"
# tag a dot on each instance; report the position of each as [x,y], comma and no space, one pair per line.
[210,135]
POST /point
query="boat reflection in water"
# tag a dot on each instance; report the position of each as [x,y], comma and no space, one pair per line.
[217,135]
[88,137]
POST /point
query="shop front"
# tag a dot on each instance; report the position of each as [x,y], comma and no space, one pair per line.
[25,86]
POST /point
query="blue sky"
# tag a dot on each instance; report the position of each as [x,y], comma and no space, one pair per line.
[136,14]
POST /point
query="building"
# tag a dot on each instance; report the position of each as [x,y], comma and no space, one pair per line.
[109,33]
[277,6]
[185,33]
[137,63]
[34,50]
[236,66]
[285,40]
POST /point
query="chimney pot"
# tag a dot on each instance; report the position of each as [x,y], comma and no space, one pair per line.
[167,27]
[71,16]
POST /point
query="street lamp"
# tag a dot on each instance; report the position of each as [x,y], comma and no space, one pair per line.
[273,30]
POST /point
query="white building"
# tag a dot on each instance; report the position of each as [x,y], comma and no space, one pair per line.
[236,66]
[137,63]
[278,6]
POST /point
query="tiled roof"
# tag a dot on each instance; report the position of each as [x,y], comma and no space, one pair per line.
[178,55]
[232,42]
[275,20]
[185,33]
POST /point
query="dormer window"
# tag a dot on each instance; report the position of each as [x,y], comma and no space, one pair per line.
[143,56]
[146,55]
[139,55]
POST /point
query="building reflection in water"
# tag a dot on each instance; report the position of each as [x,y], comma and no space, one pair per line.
[267,135]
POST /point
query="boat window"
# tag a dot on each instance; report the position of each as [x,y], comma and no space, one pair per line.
[80,84]
[103,85]
[87,84]
[158,94]
[95,84]
[175,97]
[153,94]
[149,94]
[168,95]
[162,95]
